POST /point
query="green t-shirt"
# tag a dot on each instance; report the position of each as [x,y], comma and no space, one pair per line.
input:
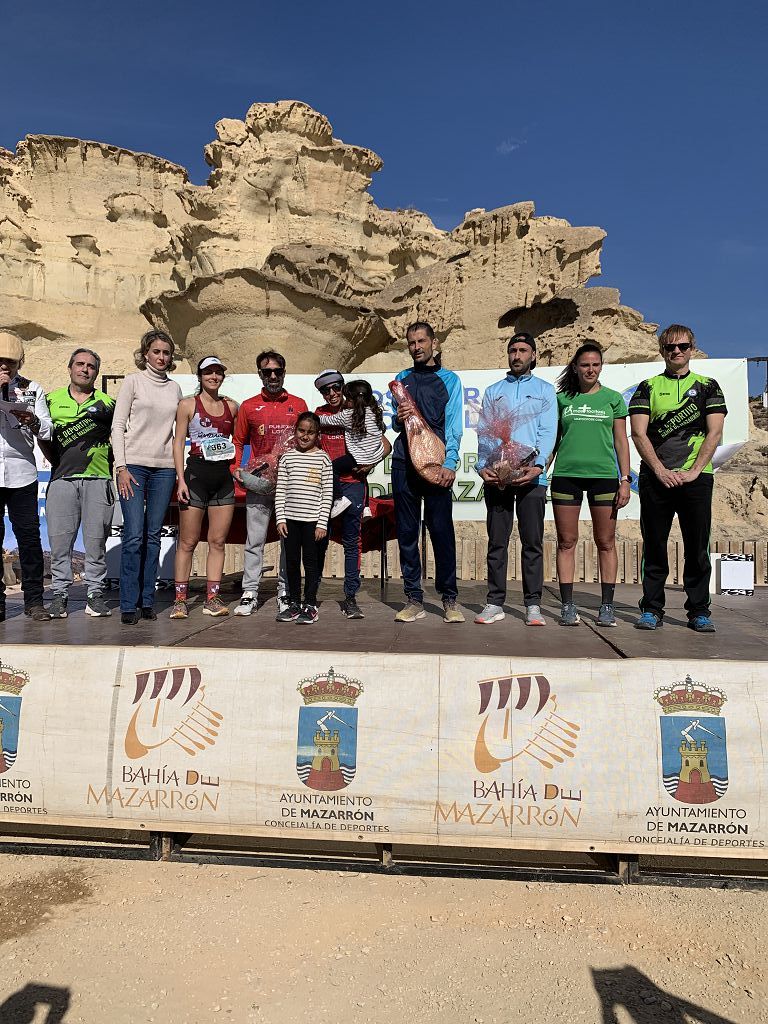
[586,433]
[81,435]
[677,409]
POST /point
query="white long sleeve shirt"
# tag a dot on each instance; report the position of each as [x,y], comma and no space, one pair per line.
[304,487]
[17,443]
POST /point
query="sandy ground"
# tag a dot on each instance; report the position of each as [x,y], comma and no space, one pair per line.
[111,942]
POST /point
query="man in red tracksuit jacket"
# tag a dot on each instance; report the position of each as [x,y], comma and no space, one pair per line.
[260,422]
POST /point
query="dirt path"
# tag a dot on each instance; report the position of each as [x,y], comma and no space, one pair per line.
[113,942]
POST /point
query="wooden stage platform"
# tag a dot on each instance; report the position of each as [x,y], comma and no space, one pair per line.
[742,624]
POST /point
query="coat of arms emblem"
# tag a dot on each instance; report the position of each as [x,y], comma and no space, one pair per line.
[12,682]
[326,755]
[693,742]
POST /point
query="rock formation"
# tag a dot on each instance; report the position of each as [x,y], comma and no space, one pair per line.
[283,246]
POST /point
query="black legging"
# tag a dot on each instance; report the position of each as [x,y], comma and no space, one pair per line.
[300,543]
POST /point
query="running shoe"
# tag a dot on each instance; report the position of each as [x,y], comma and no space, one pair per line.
[337,508]
[307,615]
[533,616]
[413,610]
[290,613]
[57,609]
[701,624]
[452,612]
[129,618]
[180,609]
[149,614]
[247,604]
[351,609]
[282,602]
[97,606]
[37,613]
[215,606]
[569,614]
[491,613]
[649,621]
[606,615]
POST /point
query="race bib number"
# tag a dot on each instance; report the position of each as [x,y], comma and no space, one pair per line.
[217,449]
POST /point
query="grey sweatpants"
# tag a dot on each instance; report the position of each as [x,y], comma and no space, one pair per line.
[70,504]
[258,511]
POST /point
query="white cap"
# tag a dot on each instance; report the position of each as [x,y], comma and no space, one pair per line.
[328,377]
[211,361]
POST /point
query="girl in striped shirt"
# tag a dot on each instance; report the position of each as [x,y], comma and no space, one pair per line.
[302,506]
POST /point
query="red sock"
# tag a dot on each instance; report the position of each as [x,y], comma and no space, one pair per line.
[213,589]
[182,590]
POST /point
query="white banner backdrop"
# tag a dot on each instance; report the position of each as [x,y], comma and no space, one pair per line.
[663,757]
[467,491]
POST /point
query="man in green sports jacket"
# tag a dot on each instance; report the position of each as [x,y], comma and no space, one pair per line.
[80,491]
[677,423]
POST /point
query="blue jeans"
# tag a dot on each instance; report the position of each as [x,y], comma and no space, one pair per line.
[140,551]
[351,521]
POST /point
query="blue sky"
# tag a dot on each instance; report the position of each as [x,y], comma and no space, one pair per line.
[646,118]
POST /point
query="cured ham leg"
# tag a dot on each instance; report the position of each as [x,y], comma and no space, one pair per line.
[426,449]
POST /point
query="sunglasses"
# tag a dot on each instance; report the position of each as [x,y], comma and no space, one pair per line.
[272,373]
[682,345]
[331,387]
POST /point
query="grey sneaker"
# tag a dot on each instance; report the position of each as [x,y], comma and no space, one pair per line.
[452,612]
[533,616]
[57,609]
[569,614]
[247,604]
[97,606]
[351,609]
[606,615]
[491,613]
[413,610]
[282,603]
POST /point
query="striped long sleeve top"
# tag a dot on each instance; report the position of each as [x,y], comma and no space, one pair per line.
[304,487]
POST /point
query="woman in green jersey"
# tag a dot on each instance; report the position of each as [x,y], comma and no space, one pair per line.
[592,456]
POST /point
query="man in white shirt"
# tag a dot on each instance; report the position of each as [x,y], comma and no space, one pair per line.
[23,417]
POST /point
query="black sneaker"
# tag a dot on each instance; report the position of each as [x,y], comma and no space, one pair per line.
[37,613]
[57,609]
[307,615]
[351,608]
[95,606]
[288,614]
[149,613]
[129,618]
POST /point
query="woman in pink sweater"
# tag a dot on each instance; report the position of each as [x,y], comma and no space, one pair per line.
[142,442]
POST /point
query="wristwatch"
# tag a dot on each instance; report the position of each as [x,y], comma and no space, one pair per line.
[625,479]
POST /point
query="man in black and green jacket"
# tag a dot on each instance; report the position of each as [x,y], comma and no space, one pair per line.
[677,423]
[80,492]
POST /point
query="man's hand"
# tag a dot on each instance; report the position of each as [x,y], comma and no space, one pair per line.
[5,377]
[25,417]
[320,534]
[405,408]
[445,477]
[282,529]
[668,477]
[489,476]
[526,476]
[687,476]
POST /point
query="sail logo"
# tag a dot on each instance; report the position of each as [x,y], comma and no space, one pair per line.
[694,755]
[172,709]
[547,741]
[326,744]
[12,682]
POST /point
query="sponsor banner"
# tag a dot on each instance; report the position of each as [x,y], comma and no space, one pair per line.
[467,490]
[616,756]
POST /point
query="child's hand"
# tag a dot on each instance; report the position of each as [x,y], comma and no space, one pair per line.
[282,529]
[237,473]
[319,534]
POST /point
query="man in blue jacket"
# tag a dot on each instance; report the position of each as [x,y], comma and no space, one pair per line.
[437,394]
[526,406]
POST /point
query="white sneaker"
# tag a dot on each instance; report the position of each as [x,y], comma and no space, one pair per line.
[367,514]
[247,604]
[338,506]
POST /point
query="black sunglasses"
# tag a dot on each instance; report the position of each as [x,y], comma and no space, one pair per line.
[272,372]
[331,387]
[682,345]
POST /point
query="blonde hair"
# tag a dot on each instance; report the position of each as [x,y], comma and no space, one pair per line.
[676,332]
[140,355]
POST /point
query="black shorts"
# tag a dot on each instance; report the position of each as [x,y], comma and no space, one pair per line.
[569,490]
[209,483]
